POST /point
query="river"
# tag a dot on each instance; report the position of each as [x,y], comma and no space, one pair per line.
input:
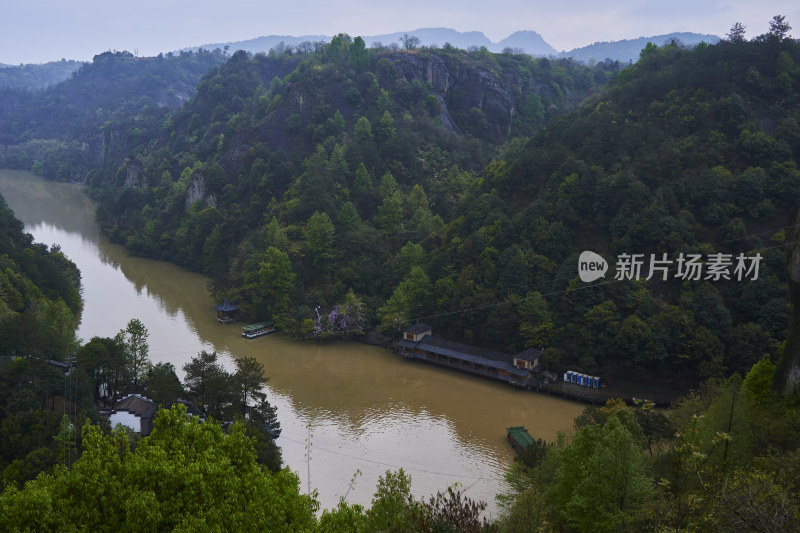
[362,408]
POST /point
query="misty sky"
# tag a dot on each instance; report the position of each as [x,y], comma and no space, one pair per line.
[37,31]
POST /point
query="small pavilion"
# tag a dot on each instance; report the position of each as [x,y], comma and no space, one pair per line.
[226,312]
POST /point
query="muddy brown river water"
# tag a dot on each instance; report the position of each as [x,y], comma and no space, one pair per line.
[364,408]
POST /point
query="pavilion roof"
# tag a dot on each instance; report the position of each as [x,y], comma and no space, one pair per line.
[226,307]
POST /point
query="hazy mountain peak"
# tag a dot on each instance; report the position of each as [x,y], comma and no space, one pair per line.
[529,41]
[627,50]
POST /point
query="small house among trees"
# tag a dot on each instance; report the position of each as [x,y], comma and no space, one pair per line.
[419,343]
[136,412]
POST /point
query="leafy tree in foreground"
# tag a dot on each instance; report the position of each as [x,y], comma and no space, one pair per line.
[452,511]
[187,476]
[394,509]
[390,510]
[601,482]
[239,396]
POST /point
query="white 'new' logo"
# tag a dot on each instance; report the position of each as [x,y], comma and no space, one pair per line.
[591,266]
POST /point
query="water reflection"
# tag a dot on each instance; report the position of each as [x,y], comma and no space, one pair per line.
[362,408]
[38,202]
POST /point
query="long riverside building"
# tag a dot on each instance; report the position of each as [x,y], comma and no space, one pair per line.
[419,343]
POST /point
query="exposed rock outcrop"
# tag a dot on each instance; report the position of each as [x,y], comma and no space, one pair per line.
[134,176]
[460,89]
[197,191]
[103,143]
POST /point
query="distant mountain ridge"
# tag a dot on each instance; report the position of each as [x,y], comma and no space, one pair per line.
[527,41]
[628,49]
[36,77]
[262,44]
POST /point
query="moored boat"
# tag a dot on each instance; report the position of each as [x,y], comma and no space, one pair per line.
[519,438]
[256,330]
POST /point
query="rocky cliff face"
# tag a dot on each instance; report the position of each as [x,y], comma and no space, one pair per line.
[460,90]
[197,191]
[105,145]
[134,176]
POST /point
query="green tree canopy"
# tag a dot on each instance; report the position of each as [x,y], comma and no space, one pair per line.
[185,476]
[319,235]
[275,283]
[133,339]
[209,386]
[163,385]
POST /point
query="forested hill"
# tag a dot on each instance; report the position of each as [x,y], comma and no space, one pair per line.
[76,124]
[324,165]
[36,77]
[690,152]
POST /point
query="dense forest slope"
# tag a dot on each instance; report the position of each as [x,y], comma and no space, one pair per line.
[691,152]
[40,305]
[33,278]
[325,173]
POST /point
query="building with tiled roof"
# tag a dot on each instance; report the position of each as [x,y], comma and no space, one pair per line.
[419,343]
[136,412]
